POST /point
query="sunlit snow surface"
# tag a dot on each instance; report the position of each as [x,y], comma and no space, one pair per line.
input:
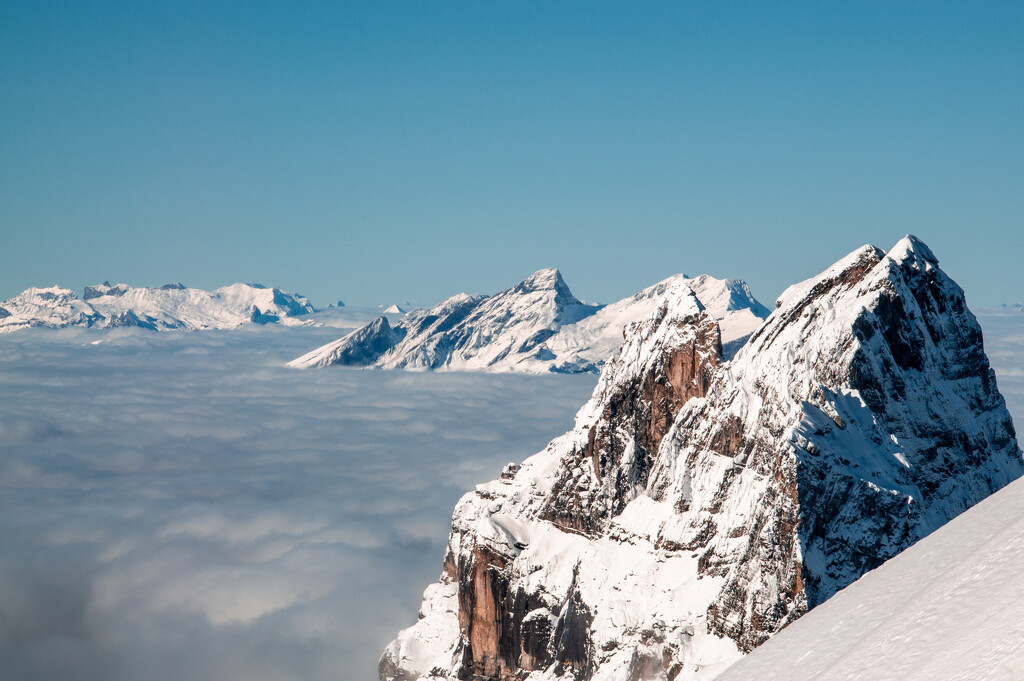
[181,506]
[947,608]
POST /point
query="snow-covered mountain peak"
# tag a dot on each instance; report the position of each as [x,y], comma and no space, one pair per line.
[544,295]
[651,340]
[910,248]
[699,506]
[40,296]
[538,326]
[725,295]
[908,252]
[171,306]
[547,279]
[864,257]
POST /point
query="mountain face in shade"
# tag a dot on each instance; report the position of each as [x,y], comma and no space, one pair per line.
[699,505]
[536,326]
[171,306]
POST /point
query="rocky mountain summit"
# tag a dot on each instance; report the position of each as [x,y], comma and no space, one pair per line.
[700,504]
[536,326]
[172,306]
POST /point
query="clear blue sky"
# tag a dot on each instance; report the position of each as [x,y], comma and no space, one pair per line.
[393,151]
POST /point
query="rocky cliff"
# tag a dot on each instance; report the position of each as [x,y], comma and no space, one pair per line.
[700,505]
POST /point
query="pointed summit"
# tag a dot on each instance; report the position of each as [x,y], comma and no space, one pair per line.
[538,326]
[492,333]
[549,279]
[362,347]
[912,248]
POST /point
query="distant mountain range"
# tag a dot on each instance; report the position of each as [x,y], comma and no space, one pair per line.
[537,326]
[172,306]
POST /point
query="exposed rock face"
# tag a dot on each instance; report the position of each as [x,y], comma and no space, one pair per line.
[698,506]
[862,416]
[537,326]
[258,317]
[104,289]
[129,318]
[365,345]
[660,367]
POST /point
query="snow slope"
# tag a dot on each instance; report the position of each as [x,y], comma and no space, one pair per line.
[172,306]
[537,326]
[947,608]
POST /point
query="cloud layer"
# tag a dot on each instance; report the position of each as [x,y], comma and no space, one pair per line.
[179,506]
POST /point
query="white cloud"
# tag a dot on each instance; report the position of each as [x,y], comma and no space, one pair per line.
[1004,345]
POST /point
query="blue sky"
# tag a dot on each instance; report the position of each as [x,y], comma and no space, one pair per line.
[395,151]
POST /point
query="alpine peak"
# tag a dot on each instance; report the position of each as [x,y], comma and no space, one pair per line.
[910,248]
[171,306]
[537,326]
[699,506]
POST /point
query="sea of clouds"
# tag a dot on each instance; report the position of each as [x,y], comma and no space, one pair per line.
[180,506]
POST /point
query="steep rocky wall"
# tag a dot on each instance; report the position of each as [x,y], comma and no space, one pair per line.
[636,412]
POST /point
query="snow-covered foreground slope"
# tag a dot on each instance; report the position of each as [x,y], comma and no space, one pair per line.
[699,506]
[537,326]
[947,608]
[167,307]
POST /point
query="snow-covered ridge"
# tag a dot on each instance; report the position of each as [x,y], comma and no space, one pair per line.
[536,326]
[172,306]
[699,506]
